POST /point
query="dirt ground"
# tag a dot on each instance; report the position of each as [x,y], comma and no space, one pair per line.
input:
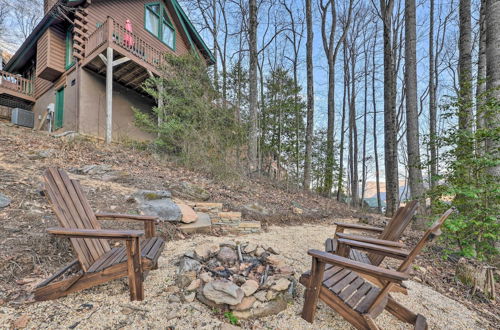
[28,254]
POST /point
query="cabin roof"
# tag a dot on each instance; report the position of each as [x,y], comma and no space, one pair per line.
[28,48]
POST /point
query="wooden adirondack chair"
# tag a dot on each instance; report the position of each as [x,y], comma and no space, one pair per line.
[336,281]
[96,261]
[388,236]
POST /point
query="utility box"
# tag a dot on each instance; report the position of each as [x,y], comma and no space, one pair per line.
[23,117]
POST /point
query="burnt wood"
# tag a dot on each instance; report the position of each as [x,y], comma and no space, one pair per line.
[342,287]
[97,262]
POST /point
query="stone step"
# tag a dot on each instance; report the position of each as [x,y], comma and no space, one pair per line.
[230,216]
[202,225]
[208,207]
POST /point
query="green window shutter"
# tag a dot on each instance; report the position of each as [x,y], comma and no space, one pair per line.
[69,48]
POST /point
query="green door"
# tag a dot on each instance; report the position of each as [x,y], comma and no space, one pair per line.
[58,122]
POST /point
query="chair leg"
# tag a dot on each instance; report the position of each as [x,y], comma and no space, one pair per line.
[400,311]
[370,323]
[312,292]
[135,270]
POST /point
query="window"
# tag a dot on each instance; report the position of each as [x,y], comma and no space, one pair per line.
[157,22]
[69,48]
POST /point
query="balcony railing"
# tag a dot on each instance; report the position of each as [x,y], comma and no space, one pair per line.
[15,83]
[115,33]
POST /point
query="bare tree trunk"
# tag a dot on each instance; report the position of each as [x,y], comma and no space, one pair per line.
[481,73]
[412,130]
[252,75]
[310,96]
[432,101]
[342,128]
[215,39]
[390,127]
[493,76]
[365,125]
[353,130]
[331,51]
[374,102]
[465,77]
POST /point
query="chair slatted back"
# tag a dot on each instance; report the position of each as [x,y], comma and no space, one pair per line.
[433,232]
[73,211]
[395,228]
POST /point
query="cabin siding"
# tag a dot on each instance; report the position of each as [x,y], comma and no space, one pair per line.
[121,10]
[51,54]
[48,4]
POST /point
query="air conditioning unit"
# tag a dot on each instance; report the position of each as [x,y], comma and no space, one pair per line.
[23,117]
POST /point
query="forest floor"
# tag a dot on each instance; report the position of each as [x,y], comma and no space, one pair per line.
[28,254]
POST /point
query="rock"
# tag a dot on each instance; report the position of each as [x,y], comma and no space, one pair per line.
[194,285]
[188,214]
[250,248]
[209,303]
[285,270]
[190,297]
[227,255]
[164,209]
[223,292]
[261,296]
[4,201]
[245,304]
[190,254]
[281,285]
[230,244]
[94,169]
[150,195]
[250,287]
[185,279]
[21,322]
[270,308]
[276,261]
[259,251]
[271,294]
[204,252]
[256,208]
[297,210]
[187,264]
[206,277]
[190,191]
[202,225]
[174,299]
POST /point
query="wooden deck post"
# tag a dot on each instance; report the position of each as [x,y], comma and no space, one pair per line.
[109,94]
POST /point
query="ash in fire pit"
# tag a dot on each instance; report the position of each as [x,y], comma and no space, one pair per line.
[251,280]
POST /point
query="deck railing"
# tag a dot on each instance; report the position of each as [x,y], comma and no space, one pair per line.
[16,83]
[115,33]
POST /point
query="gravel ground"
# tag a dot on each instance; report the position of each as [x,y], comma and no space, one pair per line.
[108,305]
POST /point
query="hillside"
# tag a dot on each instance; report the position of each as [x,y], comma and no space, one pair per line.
[120,171]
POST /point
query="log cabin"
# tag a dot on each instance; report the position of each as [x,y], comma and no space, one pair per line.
[87,60]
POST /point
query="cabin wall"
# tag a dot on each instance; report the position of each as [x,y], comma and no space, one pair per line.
[48,4]
[51,54]
[121,10]
[92,119]
[70,118]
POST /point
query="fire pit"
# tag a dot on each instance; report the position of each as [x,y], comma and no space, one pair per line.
[250,280]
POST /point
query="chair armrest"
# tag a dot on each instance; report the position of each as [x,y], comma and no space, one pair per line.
[95,233]
[359,227]
[125,217]
[374,248]
[360,267]
[371,240]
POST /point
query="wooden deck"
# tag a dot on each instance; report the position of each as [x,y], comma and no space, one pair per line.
[14,87]
[139,59]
